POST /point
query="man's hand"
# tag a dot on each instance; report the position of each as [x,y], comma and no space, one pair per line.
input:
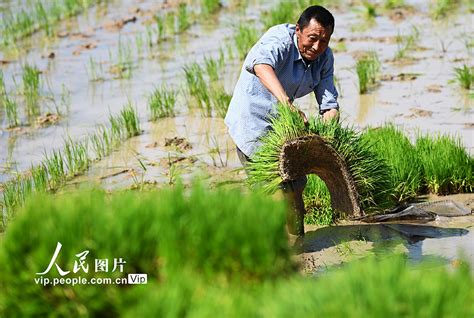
[267,76]
[300,112]
[331,114]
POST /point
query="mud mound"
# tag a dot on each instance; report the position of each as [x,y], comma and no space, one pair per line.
[313,155]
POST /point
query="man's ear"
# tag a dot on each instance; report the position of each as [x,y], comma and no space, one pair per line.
[298,30]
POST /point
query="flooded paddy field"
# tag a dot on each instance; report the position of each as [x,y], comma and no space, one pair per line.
[117,53]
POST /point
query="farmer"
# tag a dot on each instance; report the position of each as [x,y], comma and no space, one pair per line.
[288,62]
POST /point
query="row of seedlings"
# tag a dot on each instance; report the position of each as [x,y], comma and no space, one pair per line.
[32,96]
[73,159]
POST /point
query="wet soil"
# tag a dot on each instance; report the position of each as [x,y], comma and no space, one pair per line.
[450,240]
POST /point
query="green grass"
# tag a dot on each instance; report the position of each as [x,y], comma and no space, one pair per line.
[392,146]
[367,69]
[246,36]
[464,76]
[31,89]
[238,268]
[370,174]
[446,165]
[162,102]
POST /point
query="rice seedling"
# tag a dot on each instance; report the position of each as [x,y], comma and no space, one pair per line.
[124,62]
[130,121]
[367,68]
[76,156]
[160,29]
[441,8]
[237,269]
[11,111]
[447,168]
[406,43]
[369,10]
[210,6]
[42,16]
[215,150]
[101,142]
[3,90]
[317,201]
[39,174]
[95,70]
[370,174]
[245,38]
[464,76]
[183,18]
[339,47]
[65,97]
[162,102]
[198,88]
[220,100]
[56,167]
[393,147]
[139,42]
[14,194]
[31,86]
[393,4]
[213,68]
[284,12]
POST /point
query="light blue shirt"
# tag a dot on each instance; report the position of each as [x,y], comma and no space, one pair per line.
[252,104]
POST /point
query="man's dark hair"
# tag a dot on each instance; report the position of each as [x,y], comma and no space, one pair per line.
[320,14]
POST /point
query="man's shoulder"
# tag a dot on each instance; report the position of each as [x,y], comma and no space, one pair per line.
[281,32]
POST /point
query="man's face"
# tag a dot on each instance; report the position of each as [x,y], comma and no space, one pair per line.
[313,39]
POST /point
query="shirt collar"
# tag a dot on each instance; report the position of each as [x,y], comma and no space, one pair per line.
[297,54]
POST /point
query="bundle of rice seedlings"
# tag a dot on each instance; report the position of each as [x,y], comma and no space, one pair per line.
[392,146]
[446,165]
[369,173]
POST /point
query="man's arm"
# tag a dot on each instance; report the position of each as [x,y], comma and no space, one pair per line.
[267,76]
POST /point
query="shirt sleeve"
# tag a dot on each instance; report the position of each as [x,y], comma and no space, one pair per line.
[270,50]
[325,92]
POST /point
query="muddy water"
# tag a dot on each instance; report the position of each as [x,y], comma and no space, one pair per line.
[449,240]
